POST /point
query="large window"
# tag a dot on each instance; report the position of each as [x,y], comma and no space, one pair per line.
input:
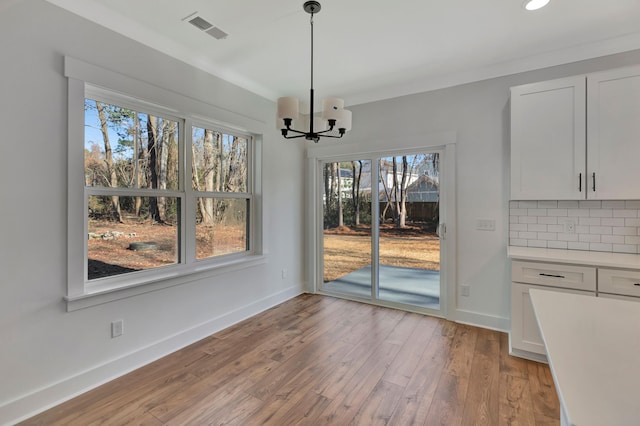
[164,195]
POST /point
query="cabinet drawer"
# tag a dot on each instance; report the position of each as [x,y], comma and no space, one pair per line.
[617,296]
[554,275]
[616,281]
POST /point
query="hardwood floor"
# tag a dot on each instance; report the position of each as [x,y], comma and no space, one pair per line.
[317,360]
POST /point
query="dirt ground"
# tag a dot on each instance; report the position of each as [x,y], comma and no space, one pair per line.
[347,250]
[112,256]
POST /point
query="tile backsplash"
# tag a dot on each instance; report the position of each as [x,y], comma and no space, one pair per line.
[611,226]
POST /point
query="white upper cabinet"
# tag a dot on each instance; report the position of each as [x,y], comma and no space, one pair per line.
[548,140]
[577,138]
[613,134]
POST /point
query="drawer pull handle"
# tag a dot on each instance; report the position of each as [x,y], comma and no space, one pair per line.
[556,276]
[636,284]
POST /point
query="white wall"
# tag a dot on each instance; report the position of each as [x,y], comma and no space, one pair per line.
[479,114]
[47,354]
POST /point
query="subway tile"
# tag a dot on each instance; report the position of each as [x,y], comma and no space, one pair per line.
[600,247]
[612,239]
[513,219]
[590,204]
[517,242]
[555,228]
[613,204]
[567,237]
[582,229]
[518,212]
[625,213]
[547,204]
[520,227]
[625,248]
[589,238]
[625,230]
[568,204]
[513,204]
[528,219]
[557,244]
[578,246]
[527,204]
[631,222]
[628,239]
[536,228]
[528,235]
[632,204]
[602,230]
[589,221]
[578,212]
[548,220]
[600,213]
[537,212]
[612,221]
[557,212]
[514,234]
[537,243]
[549,236]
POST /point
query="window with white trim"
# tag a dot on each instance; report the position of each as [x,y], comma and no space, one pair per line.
[165,194]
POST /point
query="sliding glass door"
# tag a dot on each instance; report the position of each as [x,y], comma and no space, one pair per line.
[380,239]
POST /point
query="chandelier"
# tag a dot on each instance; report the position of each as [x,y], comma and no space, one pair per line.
[333,117]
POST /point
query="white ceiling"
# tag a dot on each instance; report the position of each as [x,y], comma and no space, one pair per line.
[367,50]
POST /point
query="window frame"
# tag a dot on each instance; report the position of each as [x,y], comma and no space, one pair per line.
[87,81]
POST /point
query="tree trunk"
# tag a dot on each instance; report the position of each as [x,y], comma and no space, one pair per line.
[383,179]
[113,177]
[327,188]
[340,213]
[152,148]
[394,192]
[208,167]
[138,154]
[402,213]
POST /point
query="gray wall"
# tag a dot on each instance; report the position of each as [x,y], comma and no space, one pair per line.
[46,353]
[479,114]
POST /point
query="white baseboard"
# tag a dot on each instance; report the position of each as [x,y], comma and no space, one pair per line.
[482,320]
[49,396]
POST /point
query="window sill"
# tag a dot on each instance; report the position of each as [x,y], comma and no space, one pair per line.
[175,276]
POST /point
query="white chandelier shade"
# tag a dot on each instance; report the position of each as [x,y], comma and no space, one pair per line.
[333,117]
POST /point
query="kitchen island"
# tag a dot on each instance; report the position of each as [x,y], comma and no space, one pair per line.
[593,348]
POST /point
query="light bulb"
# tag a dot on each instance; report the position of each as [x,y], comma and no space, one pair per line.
[535,4]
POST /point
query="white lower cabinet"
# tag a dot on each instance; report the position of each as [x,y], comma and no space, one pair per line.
[525,334]
[525,338]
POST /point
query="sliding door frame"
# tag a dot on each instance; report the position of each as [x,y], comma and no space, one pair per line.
[444,143]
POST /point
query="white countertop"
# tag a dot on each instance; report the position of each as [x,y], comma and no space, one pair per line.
[576,257]
[593,348]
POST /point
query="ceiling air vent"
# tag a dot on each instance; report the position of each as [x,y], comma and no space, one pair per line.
[206,26]
[200,23]
[217,33]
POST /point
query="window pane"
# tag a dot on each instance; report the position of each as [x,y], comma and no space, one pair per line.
[221,226]
[137,242]
[219,161]
[130,149]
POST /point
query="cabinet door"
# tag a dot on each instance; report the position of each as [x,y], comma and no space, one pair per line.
[525,334]
[613,134]
[548,140]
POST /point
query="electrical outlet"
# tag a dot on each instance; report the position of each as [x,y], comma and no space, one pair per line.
[117,328]
[569,225]
[486,225]
[465,290]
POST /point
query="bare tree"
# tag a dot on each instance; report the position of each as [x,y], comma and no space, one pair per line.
[111,171]
[355,191]
[152,148]
[209,159]
[402,211]
[339,182]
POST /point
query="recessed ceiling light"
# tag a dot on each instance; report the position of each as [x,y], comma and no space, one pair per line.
[535,4]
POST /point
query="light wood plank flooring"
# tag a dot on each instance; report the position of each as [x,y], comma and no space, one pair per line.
[318,360]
